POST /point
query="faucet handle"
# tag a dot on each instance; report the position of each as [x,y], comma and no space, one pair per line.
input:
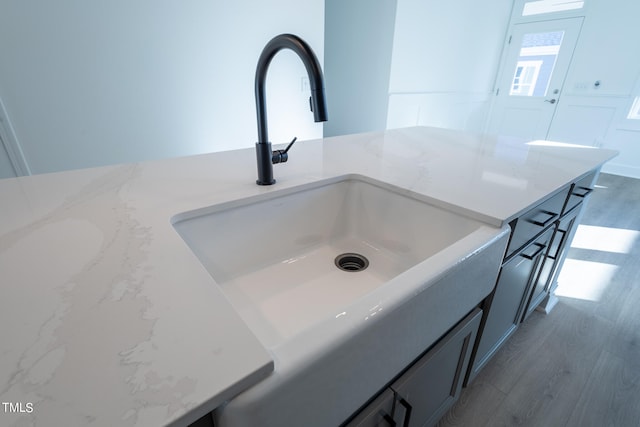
[281,156]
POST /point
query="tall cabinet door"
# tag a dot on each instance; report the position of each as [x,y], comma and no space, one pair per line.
[553,261]
[431,386]
[509,299]
[378,413]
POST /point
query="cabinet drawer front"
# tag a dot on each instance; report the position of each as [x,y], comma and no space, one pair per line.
[535,221]
[579,191]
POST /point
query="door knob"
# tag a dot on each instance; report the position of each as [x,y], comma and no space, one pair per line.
[550,101]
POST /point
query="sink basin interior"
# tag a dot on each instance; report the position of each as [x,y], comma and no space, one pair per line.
[274,255]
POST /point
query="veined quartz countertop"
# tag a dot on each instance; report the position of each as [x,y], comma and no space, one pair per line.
[107,318]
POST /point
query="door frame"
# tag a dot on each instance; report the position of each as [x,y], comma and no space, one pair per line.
[12,147]
[517,18]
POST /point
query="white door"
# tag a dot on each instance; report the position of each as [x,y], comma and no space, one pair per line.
[529,85]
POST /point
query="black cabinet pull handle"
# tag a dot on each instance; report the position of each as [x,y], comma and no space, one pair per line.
[585,193]
[552,216]
[408,409]
[532,256]
[559,245]
[389,420]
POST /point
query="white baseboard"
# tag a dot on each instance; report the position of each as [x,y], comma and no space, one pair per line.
[623,170]
[548,303]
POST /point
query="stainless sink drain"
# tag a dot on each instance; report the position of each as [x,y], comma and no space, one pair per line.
[351,262]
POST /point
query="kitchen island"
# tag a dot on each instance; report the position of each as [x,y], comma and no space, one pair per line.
[107,317]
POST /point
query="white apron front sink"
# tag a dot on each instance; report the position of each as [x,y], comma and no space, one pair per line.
[345,333]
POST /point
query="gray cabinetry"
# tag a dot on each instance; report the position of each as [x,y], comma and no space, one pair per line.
[378,413]
[539,241]
[565,229]
[530,224]
[427,389]
[580,190]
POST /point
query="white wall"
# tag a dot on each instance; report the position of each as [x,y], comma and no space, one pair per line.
[358,43]
[398,63]
[93,83]
[445,58]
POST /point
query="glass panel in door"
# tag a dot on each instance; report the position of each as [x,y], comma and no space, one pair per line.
[535,63]
[529,86]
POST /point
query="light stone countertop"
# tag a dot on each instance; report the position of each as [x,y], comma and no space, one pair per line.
[107,318]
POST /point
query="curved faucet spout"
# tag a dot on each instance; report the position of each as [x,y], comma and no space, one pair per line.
[318,103]
[316,80]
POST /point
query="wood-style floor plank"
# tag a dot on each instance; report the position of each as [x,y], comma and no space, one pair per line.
[610,397]
[558,372]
